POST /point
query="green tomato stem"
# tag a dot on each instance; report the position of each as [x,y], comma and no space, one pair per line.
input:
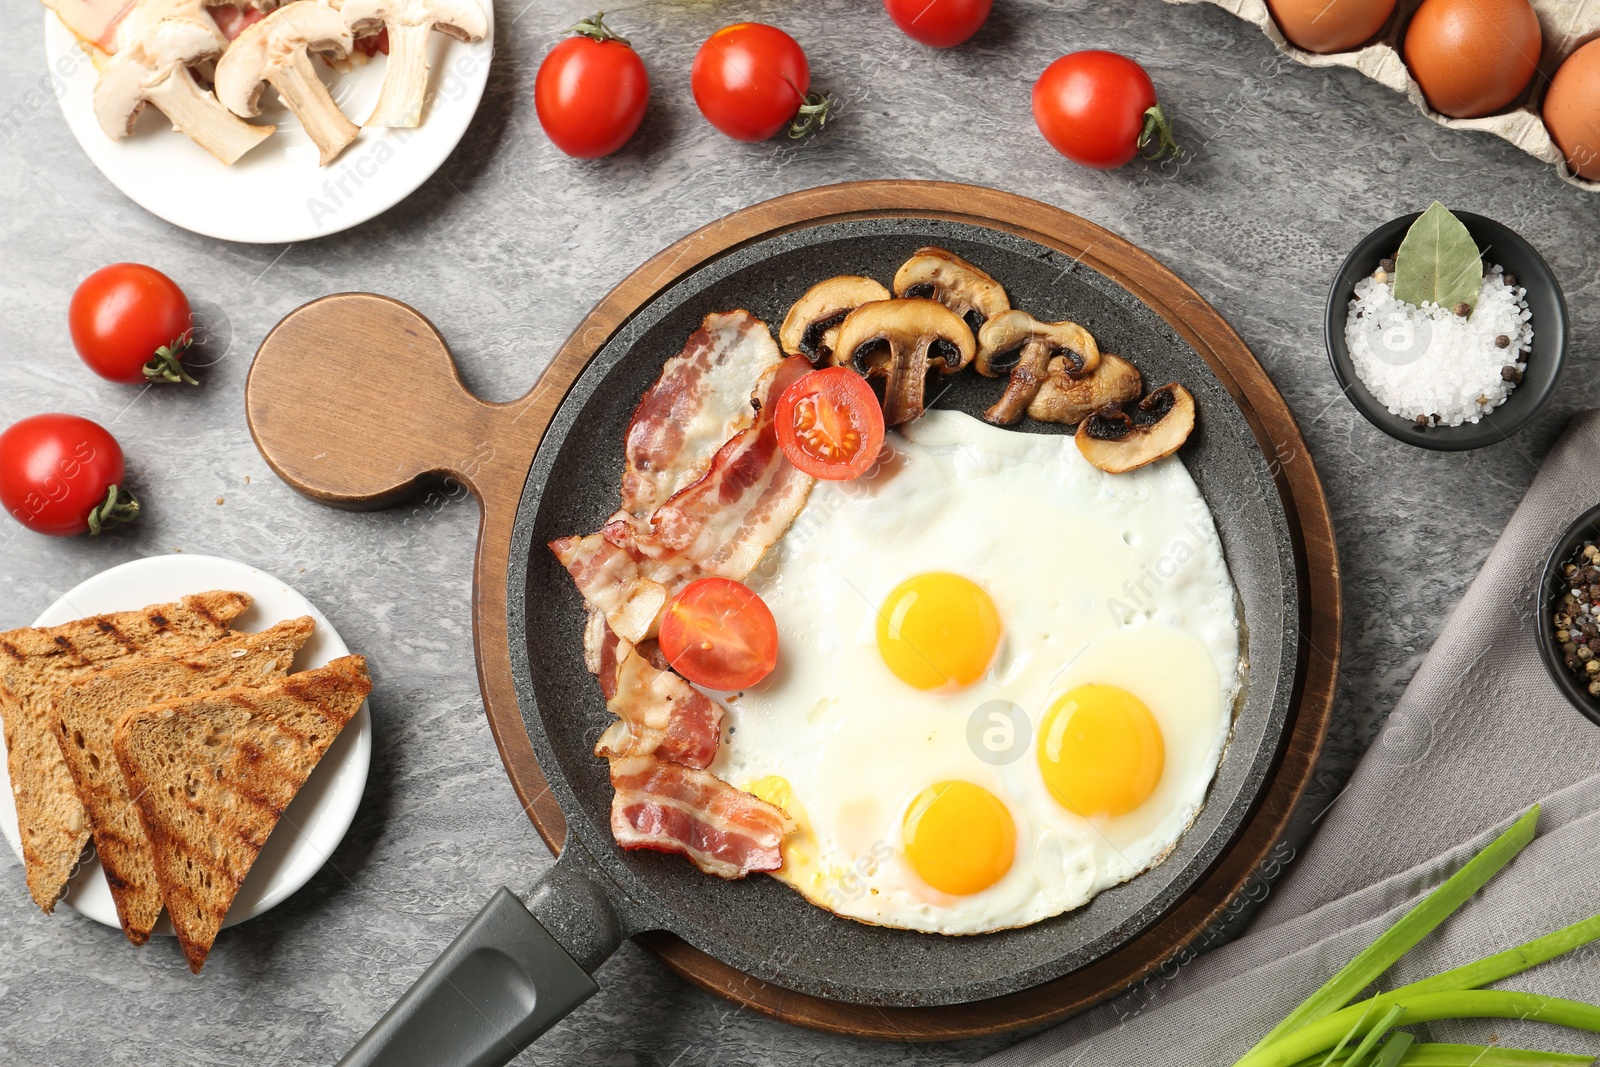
[814,113]
[167,364]
[1156,140]
[119,506]
[597,29]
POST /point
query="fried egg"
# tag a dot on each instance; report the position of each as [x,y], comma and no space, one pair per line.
[1005,679]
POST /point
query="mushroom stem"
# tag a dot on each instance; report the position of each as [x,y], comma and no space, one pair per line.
[405,79]
[1026,377]
[305,95]
[198,114]
[902,392]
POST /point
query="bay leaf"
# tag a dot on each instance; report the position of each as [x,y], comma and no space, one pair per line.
[1438,261]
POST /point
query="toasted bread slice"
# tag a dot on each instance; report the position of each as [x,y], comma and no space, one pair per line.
[87,714]
[34,665]
[211,775]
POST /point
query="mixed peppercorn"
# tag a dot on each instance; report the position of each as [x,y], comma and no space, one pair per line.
[1577,615]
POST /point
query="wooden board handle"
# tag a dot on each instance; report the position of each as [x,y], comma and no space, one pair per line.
[355,401]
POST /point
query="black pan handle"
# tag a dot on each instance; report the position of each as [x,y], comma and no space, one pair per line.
[513,973]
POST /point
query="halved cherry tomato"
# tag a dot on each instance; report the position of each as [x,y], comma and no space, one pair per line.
[718,633]
[830,424]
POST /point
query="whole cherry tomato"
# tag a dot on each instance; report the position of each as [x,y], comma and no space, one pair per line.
[62,475]
[1099,109]
[718,633]
[940,23]
[591,91]
[830,425]
[751,80]
[131,324]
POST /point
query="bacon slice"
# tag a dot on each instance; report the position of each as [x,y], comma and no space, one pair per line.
[670,808]
[721,525]
[701,399]
[658,714]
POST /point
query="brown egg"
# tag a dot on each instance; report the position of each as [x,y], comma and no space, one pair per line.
[1472,57]
[1330,25]
[1572,111]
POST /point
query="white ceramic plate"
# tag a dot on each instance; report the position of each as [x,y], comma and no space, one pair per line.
[277,194]
[320,814]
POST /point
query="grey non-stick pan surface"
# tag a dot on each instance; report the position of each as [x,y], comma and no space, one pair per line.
[599,894]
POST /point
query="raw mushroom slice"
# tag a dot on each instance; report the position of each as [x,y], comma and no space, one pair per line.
[812,324]
[409,22]
[1036,344]
[277,51]
[1119,438]
[963,288]
[157,42]
[901,341]
[1070,398]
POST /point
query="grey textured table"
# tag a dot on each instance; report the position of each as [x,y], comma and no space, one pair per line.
[505,248]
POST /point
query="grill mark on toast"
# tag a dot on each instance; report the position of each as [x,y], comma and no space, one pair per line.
[109,628]
[244,754]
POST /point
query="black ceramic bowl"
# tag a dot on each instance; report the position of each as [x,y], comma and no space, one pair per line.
[1548,307]
[1551,585]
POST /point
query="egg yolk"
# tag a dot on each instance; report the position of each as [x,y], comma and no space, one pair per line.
[938,631]
[1101,751]
[959,837]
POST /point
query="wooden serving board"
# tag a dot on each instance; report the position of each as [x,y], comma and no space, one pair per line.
[355,401]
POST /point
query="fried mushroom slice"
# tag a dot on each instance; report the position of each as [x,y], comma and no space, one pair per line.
[1035,343]
[813,322]
[1119,438]
[937,274]
[900,341]
[1068,397]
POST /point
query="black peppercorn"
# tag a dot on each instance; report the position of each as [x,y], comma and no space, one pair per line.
[1502,341]
[1463,309]
[1511,280]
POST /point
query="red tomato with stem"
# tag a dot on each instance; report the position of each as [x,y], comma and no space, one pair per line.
[939,23]
[591,91]
[752,80]
[131,323]
[62,475]
[1099,109]
[830,424]
[718,633]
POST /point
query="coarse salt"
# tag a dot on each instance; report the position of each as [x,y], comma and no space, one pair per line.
[1428,362]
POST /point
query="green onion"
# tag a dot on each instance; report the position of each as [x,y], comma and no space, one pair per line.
[1399,938]
[1319,1036]
[1510,962]
[1431,1055]
[1375,1034]
[1348,1034]
[1393,1049]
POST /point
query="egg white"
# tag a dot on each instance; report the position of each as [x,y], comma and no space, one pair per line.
[1115,579]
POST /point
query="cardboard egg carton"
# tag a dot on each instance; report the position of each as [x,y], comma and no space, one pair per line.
[1566,24]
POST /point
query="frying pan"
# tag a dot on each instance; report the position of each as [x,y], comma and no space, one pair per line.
[354,400]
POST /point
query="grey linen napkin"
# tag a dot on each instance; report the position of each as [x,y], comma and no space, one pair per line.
[1479,735]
